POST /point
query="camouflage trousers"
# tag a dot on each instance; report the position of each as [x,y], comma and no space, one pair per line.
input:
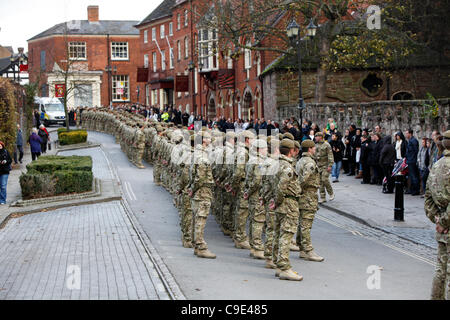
[258,218]
[270,221]
[187,218]
[325,183]
[441,281]
[157,174]
[306,220]
[285,225]
[227,210]
[216,206]
[200,209]
[240,233]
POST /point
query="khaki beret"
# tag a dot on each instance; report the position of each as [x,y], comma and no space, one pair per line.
[447,134]
[280,136]
[289,136]
[297,145]
[248,134]
[274,144]
[206,134]
[177,138]
[230,135]
[159,129]
[287,143]
[262,137]
[308,144]
[319,134]
[261,144]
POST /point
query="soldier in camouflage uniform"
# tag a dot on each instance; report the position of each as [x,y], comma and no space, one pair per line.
[254,174]
[201,183]
[437,209]
[325,160]
[237,188]
[285,205]
[156,155]
[309,178]
[226,180]
[268,186]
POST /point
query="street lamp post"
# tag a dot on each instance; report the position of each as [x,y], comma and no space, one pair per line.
[293,33]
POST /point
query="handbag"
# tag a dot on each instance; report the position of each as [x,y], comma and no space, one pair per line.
[49,146]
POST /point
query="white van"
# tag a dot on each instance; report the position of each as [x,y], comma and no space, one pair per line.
[51,111]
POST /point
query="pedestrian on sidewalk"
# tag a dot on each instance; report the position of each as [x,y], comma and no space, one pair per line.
[400,146]
[347,152]
[376,145]
[5,168]
[423,162]
[338,153]
[364,159]
[35,143]
[37,119]
[45,137]
[412,149]
[387,160]
[19,145]
[356,154]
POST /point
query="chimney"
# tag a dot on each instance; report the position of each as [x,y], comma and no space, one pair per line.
[93,14]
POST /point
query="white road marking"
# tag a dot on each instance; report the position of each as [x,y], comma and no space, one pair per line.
[133,195]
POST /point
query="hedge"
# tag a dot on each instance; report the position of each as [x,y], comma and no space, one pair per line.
[8,114]
[52,175]
[72,137]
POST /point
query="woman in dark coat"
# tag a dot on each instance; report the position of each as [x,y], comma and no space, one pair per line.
[5,168]
[35,143]
[45,137]
[387,160]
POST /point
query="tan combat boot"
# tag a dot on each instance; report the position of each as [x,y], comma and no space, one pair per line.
[277,272]
[290,275]
[294,247]
[226,232]
[332,197]
[322,200]
[206,254]
[311,256]
[187,244]
[257,254]
[270,264]
[242,245]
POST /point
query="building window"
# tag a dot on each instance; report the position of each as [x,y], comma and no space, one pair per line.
[207,48]
[77,50]
[402,95]
[119,50]
[155,62]
[248,56]
[162,31]
[163,60]
[372,85]
[145,60]
[178,21]
[186,19]
[179,50]
[171,58]
[43,66]
[145,36]
[186,47]
[171,29]
[153,34]
[120,88]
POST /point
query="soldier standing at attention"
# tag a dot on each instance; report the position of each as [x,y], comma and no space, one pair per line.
[437,209]
[309,178]
[286,209]
[325,160]
[201,185]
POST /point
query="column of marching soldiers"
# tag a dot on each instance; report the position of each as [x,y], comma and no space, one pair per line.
[239,177]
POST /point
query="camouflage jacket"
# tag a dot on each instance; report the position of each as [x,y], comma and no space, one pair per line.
[288,184]
[437,195]
[200,175]
[240,161]
[254,173]
[324,155]
[269,180]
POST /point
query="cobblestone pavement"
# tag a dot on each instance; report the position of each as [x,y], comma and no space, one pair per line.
[100,167]
[424,250]
[89,252]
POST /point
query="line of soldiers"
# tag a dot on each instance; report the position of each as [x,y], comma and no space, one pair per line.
[242,179]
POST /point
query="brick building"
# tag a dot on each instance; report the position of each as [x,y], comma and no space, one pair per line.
[196,77]
[101,56]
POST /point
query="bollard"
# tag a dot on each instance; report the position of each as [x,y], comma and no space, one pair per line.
[399,198]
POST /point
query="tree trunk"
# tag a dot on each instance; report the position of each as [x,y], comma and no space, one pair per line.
[322,70]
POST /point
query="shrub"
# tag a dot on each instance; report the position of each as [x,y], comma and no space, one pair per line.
[54,175]
[72,137]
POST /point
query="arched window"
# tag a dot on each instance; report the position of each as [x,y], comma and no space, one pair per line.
[402,95]
[372,84]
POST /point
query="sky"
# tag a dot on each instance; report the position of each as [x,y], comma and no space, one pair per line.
[22,20]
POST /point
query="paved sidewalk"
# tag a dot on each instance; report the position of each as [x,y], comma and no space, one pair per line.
[88,252]
[366,203]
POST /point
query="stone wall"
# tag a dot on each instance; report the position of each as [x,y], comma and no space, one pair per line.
[391,115]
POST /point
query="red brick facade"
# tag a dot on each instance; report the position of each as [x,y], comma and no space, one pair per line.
[52,49]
